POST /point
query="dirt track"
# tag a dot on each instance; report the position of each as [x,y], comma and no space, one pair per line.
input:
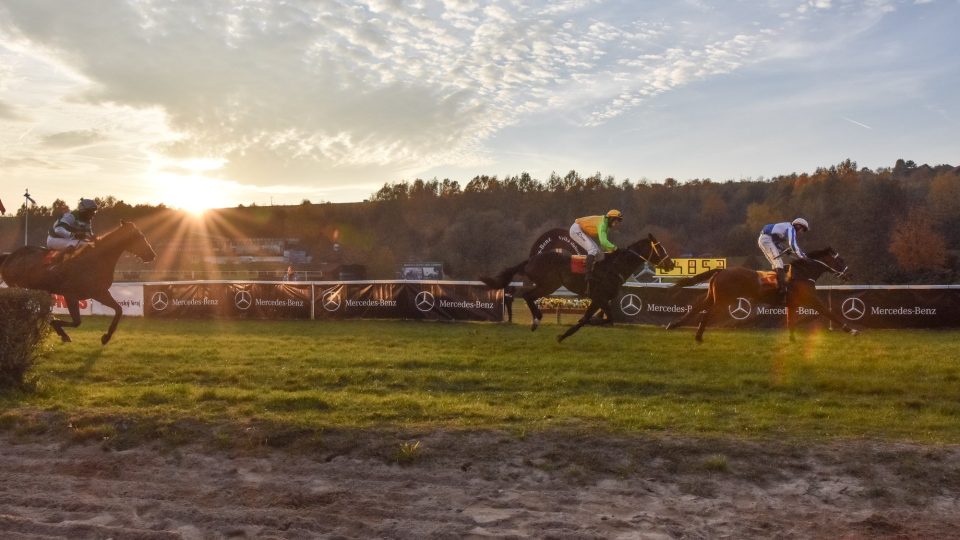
[482,485]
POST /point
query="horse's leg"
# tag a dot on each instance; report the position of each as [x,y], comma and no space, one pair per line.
[709,303]
[813,302]
[73,306]
[694,311]
[793,314]
[605,313]
[591,311]
[106,299]
[531,296]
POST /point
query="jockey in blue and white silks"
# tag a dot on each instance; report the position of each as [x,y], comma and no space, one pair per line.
[73,229]
[778,239]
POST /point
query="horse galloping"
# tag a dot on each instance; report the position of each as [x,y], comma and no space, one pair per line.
[88,274]
[728,284]
[549,270]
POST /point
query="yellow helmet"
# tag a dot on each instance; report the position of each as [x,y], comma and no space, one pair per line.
[614,214]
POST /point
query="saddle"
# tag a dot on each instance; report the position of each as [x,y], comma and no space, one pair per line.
[54,257]
[768,279]
[578,264]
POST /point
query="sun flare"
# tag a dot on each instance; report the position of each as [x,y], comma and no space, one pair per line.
[185,186]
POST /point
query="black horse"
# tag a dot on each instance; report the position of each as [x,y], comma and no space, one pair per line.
[728,284]
[548,270]
[88,274]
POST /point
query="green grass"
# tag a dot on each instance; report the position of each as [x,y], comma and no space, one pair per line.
[304,376]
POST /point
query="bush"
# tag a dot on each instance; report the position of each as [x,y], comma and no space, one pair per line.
[24,315]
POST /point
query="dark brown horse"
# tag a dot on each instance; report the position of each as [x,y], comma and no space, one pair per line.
[728,284]
[549,270]
[88,274]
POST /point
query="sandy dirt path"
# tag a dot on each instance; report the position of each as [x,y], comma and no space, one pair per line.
[481,485]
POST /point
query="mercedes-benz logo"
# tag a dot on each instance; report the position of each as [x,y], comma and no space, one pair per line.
[631,305]
[331,300]
[159,301]
[741,310]
[425,301]
[243,300]
[853,308]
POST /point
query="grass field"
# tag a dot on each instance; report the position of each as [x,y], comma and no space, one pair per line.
[301,377]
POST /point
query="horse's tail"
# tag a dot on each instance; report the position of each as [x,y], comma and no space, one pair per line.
[699,278]
[502,279]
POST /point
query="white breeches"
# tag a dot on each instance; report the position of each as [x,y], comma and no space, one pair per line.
[57,243]
[584,240]
[770,251]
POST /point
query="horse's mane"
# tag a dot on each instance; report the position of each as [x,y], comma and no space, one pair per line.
[817,254]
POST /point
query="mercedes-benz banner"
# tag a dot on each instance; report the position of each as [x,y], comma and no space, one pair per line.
[408,300]
[343,300]
[863,307]
[227,300]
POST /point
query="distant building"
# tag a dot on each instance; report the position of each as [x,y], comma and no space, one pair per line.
[421,270]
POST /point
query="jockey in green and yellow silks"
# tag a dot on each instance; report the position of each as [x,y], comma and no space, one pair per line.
[590,232]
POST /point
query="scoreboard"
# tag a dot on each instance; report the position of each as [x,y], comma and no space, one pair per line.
[692,267]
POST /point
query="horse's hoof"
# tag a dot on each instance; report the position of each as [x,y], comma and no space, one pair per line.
[65,338]
[535,325]
[104,339]
[560,339]
[854,332]
[698,338]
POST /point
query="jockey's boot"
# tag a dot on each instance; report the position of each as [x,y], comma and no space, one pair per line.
[588,271]
[781,285]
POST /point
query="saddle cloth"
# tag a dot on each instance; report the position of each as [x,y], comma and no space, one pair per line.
[55,256]
[51,256]
[578,264]
[768,280]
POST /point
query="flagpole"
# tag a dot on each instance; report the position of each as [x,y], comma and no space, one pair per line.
[26,215]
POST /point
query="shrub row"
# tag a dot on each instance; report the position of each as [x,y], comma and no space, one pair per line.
[24,316]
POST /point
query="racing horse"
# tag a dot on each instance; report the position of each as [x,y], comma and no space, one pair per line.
[548,270]
[728,284]
[88,273]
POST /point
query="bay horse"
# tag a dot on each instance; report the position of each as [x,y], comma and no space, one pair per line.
[86,274]
[728,284]
[549,270]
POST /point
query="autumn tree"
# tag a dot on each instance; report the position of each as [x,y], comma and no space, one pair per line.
[916,244]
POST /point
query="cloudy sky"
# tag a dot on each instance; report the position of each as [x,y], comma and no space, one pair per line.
[217,103]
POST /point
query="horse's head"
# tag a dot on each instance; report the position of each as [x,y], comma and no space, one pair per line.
[659,256]
[134,241]
[834,263]
[651,251]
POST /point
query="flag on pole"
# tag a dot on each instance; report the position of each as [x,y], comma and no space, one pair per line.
[2,209]
[29,198]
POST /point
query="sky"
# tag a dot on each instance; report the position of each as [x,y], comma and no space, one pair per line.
[203,103]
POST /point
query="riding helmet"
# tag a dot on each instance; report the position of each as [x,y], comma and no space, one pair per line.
[87,204]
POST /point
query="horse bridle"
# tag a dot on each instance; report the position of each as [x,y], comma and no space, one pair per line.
[656,249]
[834,271]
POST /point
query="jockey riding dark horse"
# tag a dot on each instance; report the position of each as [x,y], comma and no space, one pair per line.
[549,270]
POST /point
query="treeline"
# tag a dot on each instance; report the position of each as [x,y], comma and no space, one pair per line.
[892,225]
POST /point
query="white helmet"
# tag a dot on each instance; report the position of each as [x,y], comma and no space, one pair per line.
[800,222]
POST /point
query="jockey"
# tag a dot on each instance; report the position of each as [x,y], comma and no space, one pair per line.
[778,239]
[73,229]
[590,233]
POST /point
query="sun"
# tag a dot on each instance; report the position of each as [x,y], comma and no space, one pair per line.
[187,187]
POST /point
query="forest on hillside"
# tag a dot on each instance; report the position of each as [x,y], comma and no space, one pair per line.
[892,225]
